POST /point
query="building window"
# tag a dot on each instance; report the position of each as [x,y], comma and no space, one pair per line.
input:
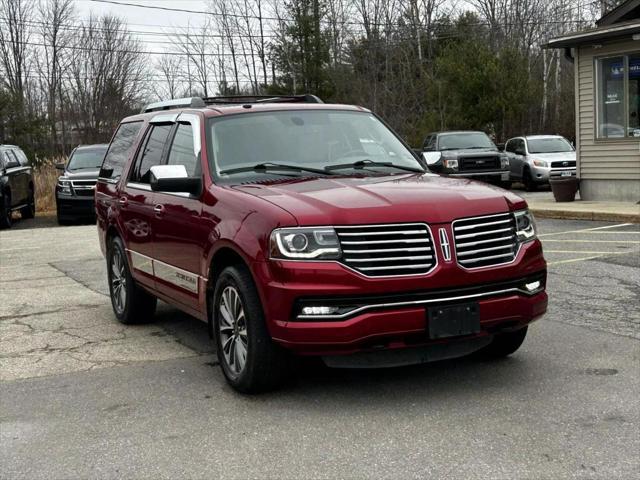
[619,96]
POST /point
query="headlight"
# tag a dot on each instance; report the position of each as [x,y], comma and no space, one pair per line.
[504,162]
[305,244]
[64,186]
[540,163]
[525,226]
[452,164]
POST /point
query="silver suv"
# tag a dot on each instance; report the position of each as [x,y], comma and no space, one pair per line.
[535,158]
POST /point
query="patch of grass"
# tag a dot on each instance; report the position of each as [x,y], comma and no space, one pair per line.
[45,177]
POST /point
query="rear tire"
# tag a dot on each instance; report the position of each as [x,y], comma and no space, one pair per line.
[504,344]
[131,304]
[250,360]
[30,210]
[5,212]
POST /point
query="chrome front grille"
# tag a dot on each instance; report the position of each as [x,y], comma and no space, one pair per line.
[84,188]
[387,250]
[485,241]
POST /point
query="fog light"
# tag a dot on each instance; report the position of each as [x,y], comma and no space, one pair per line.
[319,310]
[533,286]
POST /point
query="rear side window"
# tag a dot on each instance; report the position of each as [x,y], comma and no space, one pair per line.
[152,153]
[22,158]
[118,152]
[182,151]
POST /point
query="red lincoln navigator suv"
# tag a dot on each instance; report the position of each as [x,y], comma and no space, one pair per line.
[294,227]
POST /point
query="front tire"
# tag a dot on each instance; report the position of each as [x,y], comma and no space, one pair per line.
[30,210]
[504,344]
[5,212]
[527,180]
[250,360]
[131,304]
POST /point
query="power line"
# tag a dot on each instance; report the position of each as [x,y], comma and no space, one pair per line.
[285,19]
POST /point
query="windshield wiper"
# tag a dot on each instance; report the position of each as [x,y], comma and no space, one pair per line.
[267,166]
[360,164]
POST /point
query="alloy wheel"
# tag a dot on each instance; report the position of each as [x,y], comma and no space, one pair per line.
[118,282]
[232,328]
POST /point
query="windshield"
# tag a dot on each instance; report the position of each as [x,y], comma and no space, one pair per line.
[461,141]
[549,145]
[87,158]
[310,139]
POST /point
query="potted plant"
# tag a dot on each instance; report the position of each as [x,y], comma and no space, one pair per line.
[564,188]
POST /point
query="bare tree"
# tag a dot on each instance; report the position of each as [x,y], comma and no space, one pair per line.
[14,43]
[170,67]
[54,35]
[107,75]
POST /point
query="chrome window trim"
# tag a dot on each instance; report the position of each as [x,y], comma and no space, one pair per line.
[139,186]
[418,302]
[112,181]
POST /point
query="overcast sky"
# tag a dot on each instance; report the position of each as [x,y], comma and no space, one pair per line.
[147,19]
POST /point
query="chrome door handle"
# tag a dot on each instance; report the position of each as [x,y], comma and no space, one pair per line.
[123,201]
[159,209]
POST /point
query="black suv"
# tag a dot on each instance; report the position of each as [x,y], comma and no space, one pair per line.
[467,154]
[76,186]
[16,185]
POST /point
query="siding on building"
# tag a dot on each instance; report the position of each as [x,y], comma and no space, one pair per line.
[614,159]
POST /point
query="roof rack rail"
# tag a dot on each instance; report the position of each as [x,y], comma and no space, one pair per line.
[243,99]
[192,102]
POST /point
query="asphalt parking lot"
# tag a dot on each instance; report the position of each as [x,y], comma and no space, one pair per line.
[83,396]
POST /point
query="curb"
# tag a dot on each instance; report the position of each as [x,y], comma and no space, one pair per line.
[580,215]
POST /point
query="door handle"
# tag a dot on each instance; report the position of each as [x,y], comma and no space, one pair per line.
[159,209]
[123,201]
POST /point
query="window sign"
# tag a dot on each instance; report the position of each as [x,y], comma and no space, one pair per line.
[618,83]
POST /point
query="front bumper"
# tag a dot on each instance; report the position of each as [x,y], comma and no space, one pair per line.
[74,207]
[542,175]
[391,312]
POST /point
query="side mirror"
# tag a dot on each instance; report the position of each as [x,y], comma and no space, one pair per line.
[174,179]
[501,146]
[520,151]
[60,166]
[431,157]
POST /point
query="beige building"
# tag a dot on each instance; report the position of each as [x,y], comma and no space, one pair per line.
[607,86]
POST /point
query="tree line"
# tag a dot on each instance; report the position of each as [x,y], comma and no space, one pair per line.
[423,65]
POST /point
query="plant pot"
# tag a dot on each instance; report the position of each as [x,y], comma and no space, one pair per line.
[564,188]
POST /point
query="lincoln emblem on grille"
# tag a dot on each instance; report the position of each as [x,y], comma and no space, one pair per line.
[444,244]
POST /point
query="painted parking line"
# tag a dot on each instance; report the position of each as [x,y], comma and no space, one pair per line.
[588,252]
[582,230]
[583,259]
[632,242]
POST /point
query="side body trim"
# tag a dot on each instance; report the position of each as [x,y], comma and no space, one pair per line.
[176,276]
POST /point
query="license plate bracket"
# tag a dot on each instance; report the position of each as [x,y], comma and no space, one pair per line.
[453,320]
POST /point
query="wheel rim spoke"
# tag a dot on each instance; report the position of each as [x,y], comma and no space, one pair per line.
[118,282]
[232,329]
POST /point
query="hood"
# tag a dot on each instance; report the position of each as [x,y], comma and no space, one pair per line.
[556,156]
[472,152]
[386,199]
[84,174]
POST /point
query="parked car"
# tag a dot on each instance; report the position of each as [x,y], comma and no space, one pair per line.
[535,158]
[294,227]
[16,185]
[467,154]
[76,186]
